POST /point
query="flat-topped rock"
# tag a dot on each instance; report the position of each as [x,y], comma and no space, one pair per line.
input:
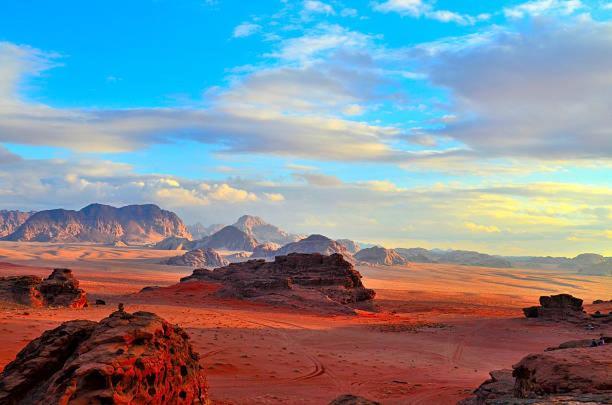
[126,358]
[313,279]
[557,308]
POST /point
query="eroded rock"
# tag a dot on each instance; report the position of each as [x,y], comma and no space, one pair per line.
[126,358]
[198,258]
[557,308]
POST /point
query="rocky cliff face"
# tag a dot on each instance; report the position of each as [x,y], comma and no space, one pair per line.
[350,245]
[264,232]
[60,289]
[306,281]
[314,244]
[126,358]
[11,220]
[381,256]
[198,258]
[572,375]
[228,238]
[133,224]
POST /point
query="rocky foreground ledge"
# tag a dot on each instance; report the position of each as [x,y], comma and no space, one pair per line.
[126,358]
[299,280]
[60,289]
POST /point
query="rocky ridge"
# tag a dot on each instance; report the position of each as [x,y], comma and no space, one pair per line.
[381,256]
[198,258]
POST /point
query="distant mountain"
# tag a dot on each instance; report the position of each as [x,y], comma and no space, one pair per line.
[11,220]
[585,263]
[263,231]
[463,257]
[97,223]
[198,258]
[228,238]
[265,250]
[173,243]
[199,231]
[314,244]
[350,245]
[381,256]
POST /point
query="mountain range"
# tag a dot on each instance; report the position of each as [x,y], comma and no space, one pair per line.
[11,220]
[98,223]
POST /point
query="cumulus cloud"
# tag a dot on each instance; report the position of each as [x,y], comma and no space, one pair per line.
[315,6]
[246,29]
[541,7]
[420,8]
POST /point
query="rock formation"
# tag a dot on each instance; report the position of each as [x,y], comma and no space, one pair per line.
[262,231]
[199,231]
[308,281]
[173,243]
[562,307]
[198,258]
[265,250]
[229,238]
[314,244]
[238,257]
[351,246]
[349,399]
[126,358]
[97,223]
[381,256]
[563,376]
[585,263]
[11,220]
[60,289]
[462,257]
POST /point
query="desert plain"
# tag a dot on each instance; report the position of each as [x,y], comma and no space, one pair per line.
[437,331]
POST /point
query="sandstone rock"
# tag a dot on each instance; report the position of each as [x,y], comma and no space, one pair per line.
[381,256]
[299,280]
[61,288]
[260,230]
[561,307]
[349,399]
[265,250]
[350,245]
[199,231]
[570,374]
[173,243]
[126,358]
[315,244]
[198,258]
[229,238]
[11,220]
[133,224]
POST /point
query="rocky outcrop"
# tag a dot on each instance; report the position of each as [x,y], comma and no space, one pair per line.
[126,358]
[563,376]
[198,258]
[97,223]
[229,238]
[562,307]
[11,220]
[351,246]
[265,250]
[314,244]
[349,399]
[264,232]
[173,243]
[307,281]
[381,256]
[60,289]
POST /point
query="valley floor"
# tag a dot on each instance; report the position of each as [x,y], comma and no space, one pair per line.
[439,330]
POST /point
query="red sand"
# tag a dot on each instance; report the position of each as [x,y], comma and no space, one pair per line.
[440,331]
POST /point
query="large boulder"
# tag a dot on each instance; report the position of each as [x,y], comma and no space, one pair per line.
[381,256]
[566,375]
[561,307]
[198,258]
[314,280]
[126,358]
[60,289]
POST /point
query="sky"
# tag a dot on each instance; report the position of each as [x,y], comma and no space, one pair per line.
[448,124]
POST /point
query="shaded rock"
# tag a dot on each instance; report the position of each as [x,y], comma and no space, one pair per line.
[568,375]
[11,220]
[381,256]
[239,256]
[98,223]
[349,399]
[350,245]
[229,238]
[60,289]
[557,308]
[199,231]
[265,250]
[315,244]
[100,302]
[300,280]
[264,232]
[198,258]
[125,358]
[173,243]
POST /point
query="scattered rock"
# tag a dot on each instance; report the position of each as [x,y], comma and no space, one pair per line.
[381,256]
[308,281]
[568,374]
[60,289]
[100,302]
[198,258]
[126,358]
[349,399]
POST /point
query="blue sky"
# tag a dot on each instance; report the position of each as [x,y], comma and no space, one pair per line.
[480,125]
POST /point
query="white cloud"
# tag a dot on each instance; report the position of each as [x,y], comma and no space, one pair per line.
[246,29]
[541,7]
[425,9]
[314,6]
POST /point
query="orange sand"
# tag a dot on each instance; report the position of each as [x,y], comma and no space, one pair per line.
[440,329]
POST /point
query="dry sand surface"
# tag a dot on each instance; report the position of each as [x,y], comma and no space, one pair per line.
[439,331]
